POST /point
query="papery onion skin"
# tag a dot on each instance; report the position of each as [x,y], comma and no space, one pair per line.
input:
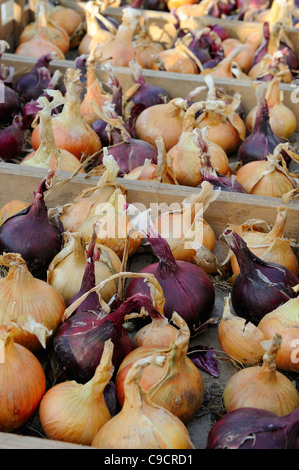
[254,428]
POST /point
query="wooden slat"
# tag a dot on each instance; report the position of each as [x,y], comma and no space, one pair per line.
[178,85]
[15,441]
[19,182]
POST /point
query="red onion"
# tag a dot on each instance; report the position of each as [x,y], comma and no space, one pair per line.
[26,86]
[253,428]
[226,183]
[9,103]
[260,287]
[262,141]
[206,45]
[31,234]
[187,289]
[129,153]
[220,30]
[291,58]
[12,139]
[79,341]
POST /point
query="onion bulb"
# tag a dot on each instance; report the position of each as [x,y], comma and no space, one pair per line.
[145,47]
[95,34]
[178,59]
[119,50]
[262,386]
[21,293]
[74,412]
[66,271]
[225,127]
[238,338]
[11,208]
[186,157]
[282,119]
[40,44]
[162,120]
[67,18]
[22,381]
[71,132]
[285,321]
[141,424]
[178,386]
[86,204]
[48,155]
[55,33]
[189,236]
[94,93]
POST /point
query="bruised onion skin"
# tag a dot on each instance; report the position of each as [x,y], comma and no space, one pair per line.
[79,341]
[253,428]
[31,234]
[260,287]
[187,289]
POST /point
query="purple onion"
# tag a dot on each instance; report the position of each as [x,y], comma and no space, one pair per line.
[260,287]
[262,141]
[147,95]
[31,234]
[12,139]
[226,183]
[220,30]
[130,153]
[26,86]
[254,428]
[79,341]
[187,289]
[291,58]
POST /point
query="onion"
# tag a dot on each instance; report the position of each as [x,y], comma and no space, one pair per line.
[224,68]
[187,156]
[71,132]
[119,50]
[274,40]
[95,33]
[94,92]
[21,293]
[93,328]
[22,382]
[254,428]
[12,139]
[272,65]
[262,141]
[48,155]
[128,152]
[249,47]
[145,47]
[31,234]
[226,183]
[67,18]
[224,126]
[40,43]
[267,177]
[12,208]
[187,289]
[27,83]
[162,120]
[142,95]
[260,287]
[178,59]
[55,33]
[282,119]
